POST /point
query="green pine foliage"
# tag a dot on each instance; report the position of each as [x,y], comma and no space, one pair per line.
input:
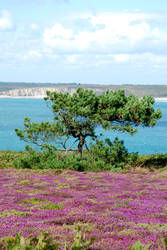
[77,116]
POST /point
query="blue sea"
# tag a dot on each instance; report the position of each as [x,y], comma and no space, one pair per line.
[13,111]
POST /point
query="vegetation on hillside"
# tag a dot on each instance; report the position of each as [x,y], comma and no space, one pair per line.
[99,159]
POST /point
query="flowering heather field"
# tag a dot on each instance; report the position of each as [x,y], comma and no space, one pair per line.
[117,209]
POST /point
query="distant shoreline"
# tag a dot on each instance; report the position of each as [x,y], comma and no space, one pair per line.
[23,97]
[160,99]
[157,99]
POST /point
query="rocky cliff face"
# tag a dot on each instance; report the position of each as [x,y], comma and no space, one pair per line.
[41,91]
[139,90]
[35,92]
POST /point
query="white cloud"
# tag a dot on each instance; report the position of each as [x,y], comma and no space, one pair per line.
[57,34]
[119,33]
[86,42]
[6,22]
[108,41]
[34,26]
[121,58]
[32,54]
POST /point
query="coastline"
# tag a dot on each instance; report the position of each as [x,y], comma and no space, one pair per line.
[23,97]
[157,99]
[160,99]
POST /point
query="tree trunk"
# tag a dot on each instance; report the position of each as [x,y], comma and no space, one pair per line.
[81,144]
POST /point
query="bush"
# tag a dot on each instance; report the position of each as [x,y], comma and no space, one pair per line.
[38,160]
[153,161]
[112,154]
[7,158]
[104,155]
[48,159]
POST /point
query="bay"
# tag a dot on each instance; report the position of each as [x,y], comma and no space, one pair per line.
[14,110]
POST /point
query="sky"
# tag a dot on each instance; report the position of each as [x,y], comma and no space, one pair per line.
[84,41]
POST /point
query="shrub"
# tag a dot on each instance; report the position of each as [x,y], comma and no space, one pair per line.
[7,158]
[104,155]
[113,154]
[37,160]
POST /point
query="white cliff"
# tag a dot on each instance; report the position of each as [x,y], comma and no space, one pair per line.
[35,92]
[41,91]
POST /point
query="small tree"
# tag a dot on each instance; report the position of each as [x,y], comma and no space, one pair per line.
[76,116]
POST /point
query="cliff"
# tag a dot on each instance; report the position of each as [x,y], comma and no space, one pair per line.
[35,92]
[139,90]
[41,91]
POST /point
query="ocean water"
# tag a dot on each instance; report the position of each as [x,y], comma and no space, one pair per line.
[13,111]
